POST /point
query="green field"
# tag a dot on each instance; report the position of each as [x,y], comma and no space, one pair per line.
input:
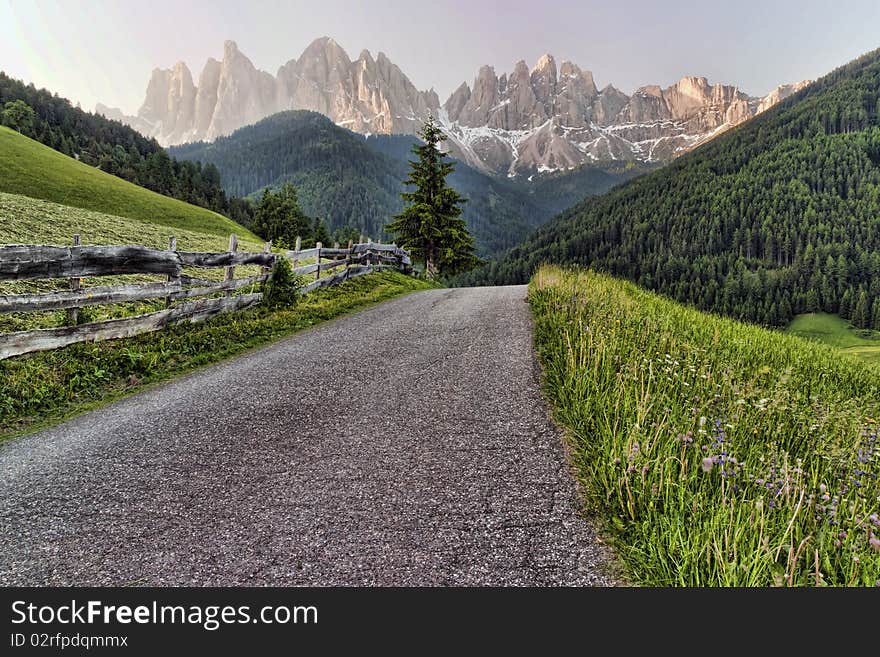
[31,169]
[839,333]
[714,452]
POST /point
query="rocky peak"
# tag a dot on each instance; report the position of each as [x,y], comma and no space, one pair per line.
[779,94]
[457,101]
[244,94]
[543,78]
[206,95]
[544,118]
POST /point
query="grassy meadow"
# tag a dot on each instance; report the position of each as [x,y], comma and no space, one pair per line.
[838,332]
[712,451]
[32,169]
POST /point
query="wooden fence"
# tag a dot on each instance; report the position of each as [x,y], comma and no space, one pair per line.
[179,291]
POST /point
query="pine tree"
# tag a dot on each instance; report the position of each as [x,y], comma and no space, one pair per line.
[846,304]
[861,317]
[430,226]
[279,218]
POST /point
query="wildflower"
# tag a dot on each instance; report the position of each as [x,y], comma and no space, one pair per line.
[708,462]
[875,543]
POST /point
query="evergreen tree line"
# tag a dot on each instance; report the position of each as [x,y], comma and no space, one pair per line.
[115,148]
[777,217]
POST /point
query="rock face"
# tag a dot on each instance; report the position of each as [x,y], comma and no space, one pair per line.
[545,118]
[780,93]
[366,95]
[170,102]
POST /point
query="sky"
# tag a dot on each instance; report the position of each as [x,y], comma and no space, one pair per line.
[104,50]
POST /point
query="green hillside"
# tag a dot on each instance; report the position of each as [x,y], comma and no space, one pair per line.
[715,452]
[837,332]
[32,169]
[116,148]
[775,218]
[26,220]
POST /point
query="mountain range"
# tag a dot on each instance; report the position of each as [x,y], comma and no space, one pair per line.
[544,119]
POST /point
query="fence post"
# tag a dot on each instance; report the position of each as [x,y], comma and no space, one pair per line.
[266,271]
[172,246]
[361,239]
[230,271]
[348,256]
[75,285]
[318,270]
[295,258]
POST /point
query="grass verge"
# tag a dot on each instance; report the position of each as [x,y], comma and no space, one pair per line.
[717,453]
[40,389]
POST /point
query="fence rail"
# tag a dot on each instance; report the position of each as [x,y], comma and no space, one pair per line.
[22,262]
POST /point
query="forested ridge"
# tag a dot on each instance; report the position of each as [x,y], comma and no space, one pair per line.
[777,217]
[352,181]
[118,149]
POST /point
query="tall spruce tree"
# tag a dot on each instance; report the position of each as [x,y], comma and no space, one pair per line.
[430,226]
[278,217]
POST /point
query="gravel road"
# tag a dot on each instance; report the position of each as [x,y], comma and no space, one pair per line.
[403,445]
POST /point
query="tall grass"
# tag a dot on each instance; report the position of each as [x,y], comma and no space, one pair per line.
[717,453]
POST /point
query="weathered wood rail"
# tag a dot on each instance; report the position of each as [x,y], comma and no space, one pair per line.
[30,262]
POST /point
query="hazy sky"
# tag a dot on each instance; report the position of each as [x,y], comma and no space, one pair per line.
[104,50]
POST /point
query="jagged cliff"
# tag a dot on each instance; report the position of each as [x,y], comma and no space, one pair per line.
[546,118]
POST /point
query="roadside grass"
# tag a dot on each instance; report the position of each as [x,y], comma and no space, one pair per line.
[837,332]
[45,388]
[28,167]
[715,452]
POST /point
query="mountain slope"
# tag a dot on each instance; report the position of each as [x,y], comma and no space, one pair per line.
[779,216]
[32,169]
[354,181]
[118,149]
[538,120]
